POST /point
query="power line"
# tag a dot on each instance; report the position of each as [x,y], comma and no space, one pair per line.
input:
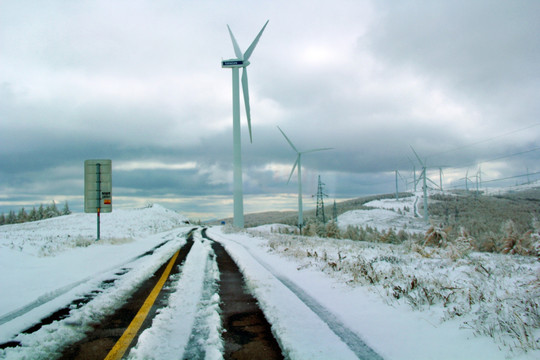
[502,179]
[474,143]
[511,177]
[485,140]
[497,158]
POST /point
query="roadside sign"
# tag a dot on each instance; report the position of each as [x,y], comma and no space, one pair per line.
[97,186]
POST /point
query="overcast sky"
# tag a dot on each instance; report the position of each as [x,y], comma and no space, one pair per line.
[140,82]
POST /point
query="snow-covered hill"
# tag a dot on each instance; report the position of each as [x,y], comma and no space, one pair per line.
[386,213]
[47,237]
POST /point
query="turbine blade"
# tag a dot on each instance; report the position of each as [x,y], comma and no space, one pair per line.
[251,47]
[293,168]
[418,157]
[433,182]
[289,141]
[237,50]
[246,100]
[313,150]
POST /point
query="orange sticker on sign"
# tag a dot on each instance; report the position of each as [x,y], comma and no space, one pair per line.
[107,201]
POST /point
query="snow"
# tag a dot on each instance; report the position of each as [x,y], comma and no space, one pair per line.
[386,213]
[309,288]
[393,329]
[173,325]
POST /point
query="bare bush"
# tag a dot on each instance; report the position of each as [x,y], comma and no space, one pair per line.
[436,235]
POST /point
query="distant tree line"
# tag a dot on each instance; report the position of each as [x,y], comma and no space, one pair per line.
[41,213]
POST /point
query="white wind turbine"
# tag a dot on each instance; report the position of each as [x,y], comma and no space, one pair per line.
[298,163]
[241,61]
[424,185]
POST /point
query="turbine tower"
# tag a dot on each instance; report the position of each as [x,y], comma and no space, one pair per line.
[424,185]
[298,163]
[241,61]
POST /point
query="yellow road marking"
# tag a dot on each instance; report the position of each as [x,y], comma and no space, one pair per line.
[122,344]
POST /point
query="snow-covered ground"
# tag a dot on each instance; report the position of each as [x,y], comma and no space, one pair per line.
[387,213]
[386,295]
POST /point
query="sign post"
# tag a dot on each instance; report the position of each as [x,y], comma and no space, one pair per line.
[98,188]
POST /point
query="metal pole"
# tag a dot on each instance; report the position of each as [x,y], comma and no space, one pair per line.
[300,207]
[426,216]
[397,196]
[98,172]
[238,206]
[440,178]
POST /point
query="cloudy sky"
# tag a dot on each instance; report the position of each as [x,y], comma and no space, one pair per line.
[140,82]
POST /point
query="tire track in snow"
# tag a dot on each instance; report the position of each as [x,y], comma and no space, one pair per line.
[175,323]
[350,338]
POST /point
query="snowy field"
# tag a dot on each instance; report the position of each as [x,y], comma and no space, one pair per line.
[403,301]
[387,213]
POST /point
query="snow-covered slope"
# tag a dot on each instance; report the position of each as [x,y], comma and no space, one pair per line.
[48,237]
[386,213]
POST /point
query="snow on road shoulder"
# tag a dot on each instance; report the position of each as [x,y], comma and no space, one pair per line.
[392,328]
[301,334]
[38,258]
[49,340]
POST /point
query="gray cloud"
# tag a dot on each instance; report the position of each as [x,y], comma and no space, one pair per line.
[141,84]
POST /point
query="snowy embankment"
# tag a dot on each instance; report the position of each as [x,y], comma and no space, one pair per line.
[48,264]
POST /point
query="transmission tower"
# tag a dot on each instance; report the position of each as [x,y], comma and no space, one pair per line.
[319,214]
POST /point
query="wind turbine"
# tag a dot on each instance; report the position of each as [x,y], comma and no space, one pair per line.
[466,178]
[404,181]
[423,176]
[298,163]
[241,61]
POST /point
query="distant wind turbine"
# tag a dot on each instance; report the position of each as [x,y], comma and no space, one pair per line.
[414,173]
[423,176]
[298,163]
[466,178]
[241,61]
[404,181]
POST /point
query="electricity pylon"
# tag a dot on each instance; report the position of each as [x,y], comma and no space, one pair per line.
[319,214]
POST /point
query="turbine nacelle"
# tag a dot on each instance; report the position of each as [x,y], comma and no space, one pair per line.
[234,63]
